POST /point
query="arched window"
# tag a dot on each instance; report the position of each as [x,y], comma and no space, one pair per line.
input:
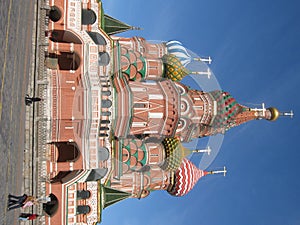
[66,60]
[103,153]
[105,121]
[51,207]
[83,194]
[103,59]
[106,113]
[106,93]
[97,38]
[54,13]
[97,174]
[106,103]
[88,16]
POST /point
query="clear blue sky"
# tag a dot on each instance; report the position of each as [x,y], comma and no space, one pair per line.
[255,46]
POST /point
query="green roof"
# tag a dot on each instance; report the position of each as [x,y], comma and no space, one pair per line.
[114,26]
[112,196]
[175,153]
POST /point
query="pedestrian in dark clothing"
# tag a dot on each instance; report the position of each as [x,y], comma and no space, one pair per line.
[15,202]
[27,216]
[30,100]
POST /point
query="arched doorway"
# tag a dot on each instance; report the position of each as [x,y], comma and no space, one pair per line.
[67,151]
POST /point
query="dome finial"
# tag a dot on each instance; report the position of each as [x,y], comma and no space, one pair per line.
[224,171]
[206,60]
[136,28]
[206,150]
[275,114]
[270,113]
[291,114]
[206,73]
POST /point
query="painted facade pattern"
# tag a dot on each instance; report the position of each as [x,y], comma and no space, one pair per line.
[119,114]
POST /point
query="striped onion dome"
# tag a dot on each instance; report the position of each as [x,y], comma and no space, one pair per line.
[185,178]
[174,69]
[176,48]
[175,152]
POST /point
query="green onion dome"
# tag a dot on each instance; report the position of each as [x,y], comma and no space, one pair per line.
[174,152]
[174,69]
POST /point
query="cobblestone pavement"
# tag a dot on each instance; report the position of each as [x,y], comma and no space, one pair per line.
[17,69]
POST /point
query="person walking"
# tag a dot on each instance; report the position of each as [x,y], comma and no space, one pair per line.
[15,201]
[30,100]
[29,201]
[23,201]
[28,216]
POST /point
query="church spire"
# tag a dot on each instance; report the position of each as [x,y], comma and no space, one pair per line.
[227,113]
[270,113]
[113,26]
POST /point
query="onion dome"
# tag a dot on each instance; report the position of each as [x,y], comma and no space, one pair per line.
[174,69]
[174,152]
[176,48]
[185,178]
[274,114]
[226,111]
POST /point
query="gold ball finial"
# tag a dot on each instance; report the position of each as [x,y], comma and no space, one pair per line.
[274,113]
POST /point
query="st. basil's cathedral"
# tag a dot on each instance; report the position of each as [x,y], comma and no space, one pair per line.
[118,114]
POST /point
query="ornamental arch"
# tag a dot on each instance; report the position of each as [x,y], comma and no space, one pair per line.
[67,151]
[66,60]
[64,36]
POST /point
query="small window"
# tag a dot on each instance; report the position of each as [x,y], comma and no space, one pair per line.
[103,153]
[139,124]
[83,194]
[140,105]
[83,209]
[106,113]
[106,93]
[106,103]
[103,59]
